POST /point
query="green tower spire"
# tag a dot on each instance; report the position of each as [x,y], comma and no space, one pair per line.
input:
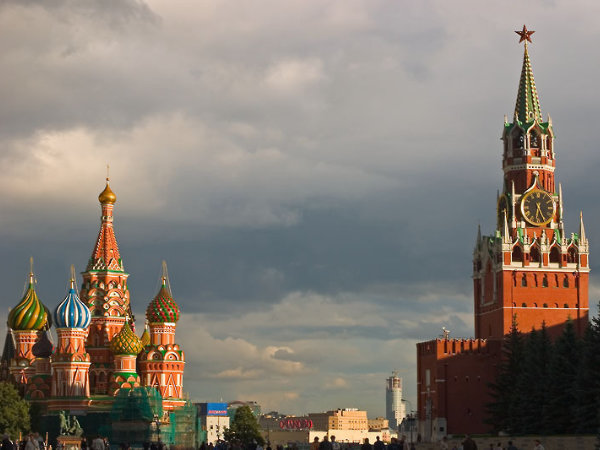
[528,108]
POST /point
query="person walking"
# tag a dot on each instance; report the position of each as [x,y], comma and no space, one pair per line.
[366,445]
[315,444]
[511,446]
[325,444]
[444,443]
[469,444]
[538,445]
[335,445]
[7,444]
[378,445]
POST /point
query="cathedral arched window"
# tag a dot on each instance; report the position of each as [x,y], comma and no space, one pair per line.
[524,280]
[566,281]
[554,255]
[534,254]
[545,281]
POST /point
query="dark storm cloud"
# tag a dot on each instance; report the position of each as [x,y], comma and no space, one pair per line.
[313,172]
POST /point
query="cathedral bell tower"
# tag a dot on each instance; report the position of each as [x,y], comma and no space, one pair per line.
[529,270]
[105,292]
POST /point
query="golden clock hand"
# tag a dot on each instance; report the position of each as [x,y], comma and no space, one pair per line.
[539,211]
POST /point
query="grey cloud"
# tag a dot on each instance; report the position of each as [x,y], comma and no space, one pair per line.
[315,152]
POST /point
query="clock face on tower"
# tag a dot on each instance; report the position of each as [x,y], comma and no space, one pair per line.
[537,207]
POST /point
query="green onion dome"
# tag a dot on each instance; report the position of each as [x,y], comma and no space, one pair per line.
[30,313]
[125,342]
[163,308]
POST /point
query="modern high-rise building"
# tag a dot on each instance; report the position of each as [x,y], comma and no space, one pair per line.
[395,409]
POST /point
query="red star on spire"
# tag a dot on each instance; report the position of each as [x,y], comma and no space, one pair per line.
[525,34]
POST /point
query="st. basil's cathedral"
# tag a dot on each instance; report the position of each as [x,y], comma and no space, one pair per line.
[97,352]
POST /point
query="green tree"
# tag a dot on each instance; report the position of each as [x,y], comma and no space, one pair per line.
[532,385]
[14,411]
[558,417]
[244,428]
[503,411]
[587,387]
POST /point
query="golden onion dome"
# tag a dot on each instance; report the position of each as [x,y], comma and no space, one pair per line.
[125,342]
[145,339]
[107,195]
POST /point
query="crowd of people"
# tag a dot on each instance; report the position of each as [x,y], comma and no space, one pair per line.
[32,441]
[330,443]
[469,444]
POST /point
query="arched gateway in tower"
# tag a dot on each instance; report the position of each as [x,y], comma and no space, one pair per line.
[529,271]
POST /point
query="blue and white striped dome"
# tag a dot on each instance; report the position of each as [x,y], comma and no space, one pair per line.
[72,312]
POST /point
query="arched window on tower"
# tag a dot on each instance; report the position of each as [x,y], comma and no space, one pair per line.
[572,255]
[517,254]
[519,140]
[554,254]
[545,281]
[524,280]
[534,139]
[566,281]
[534,254]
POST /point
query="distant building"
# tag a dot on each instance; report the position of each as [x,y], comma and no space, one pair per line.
[378,424]
[213,420]
[347,425]
[395,409]
[340,419]
[233,406]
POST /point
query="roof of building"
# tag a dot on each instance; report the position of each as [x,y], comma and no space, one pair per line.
[30,313]
[72,312]
[106,254]
[43,348]
[163,308]
[126,342]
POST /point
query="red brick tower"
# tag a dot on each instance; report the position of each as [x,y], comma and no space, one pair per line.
[26,321]
[71,361]
[529,269]
[162,361]
[105,291]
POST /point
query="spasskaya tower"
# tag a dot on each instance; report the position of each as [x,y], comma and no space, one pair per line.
[529,269]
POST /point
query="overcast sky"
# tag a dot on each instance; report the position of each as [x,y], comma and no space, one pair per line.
[312,171]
